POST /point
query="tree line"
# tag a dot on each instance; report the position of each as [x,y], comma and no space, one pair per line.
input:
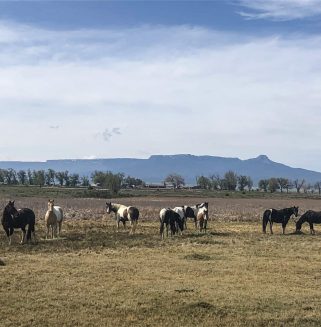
[231,181]
[41,178]
[50,177]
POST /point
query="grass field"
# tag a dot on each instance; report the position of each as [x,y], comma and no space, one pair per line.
[234,275]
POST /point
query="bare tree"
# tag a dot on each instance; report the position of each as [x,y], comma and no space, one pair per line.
[176,179]
[298,184]
[317,185]
[273,185]
[242,182]
[283,182]
[231,180]
[263,184]
[249,183]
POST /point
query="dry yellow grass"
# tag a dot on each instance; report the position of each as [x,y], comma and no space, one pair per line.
[93,276]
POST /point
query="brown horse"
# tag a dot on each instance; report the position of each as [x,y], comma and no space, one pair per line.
[202,218]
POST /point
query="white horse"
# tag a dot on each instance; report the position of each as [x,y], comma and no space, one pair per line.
[59,214]
[123,214]
[51,220]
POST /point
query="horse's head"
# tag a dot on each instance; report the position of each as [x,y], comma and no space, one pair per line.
[204,205]
[108,207]
[295,211]
[51,204]
[10,209]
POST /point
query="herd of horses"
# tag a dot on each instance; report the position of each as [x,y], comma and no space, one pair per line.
[172,220]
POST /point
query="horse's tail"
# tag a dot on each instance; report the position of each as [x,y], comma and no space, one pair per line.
[266,217]
[162,222]
[31,225]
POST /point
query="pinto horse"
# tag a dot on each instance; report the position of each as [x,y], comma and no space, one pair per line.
[13,218]
[311,217]
[191,212]
[202,219]
[278,216]
[123,214]
[172,220]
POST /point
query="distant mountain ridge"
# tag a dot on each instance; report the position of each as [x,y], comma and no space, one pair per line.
[157,167]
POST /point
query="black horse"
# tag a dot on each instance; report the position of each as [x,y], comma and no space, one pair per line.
[170,219]
[278,216]
[311,217]
[13,218]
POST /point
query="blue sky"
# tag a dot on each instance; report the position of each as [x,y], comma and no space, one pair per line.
[133,78]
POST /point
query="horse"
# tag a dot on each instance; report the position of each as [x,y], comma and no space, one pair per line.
[51,220]
[171,219]
[59,214]
[13,218]
[278,216]
[123,214]
[312,217]
[191,212]
[202,218]
[181,212]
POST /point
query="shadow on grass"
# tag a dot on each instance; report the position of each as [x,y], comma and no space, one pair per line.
[198,256]
[92,239]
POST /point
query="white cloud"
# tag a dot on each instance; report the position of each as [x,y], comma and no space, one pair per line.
[280,10]
[168,90]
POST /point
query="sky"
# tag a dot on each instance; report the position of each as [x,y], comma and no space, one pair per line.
[105,79]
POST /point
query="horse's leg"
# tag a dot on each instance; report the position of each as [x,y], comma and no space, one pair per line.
[34,237]
[59,228]
[23,236]
[8,235]
[283,228]
[131,226]
[195,222]
[271,224]
[124,224]
[311,229]
[134,225]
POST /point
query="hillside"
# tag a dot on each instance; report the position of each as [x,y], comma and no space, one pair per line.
[157,167]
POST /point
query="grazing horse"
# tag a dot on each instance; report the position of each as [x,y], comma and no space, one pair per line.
[181,212]
[278,216]
[171,219]
[191,212]
[59,214]
[123,214]
[311,217]
[202,218]
[51,220]
[13,218]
